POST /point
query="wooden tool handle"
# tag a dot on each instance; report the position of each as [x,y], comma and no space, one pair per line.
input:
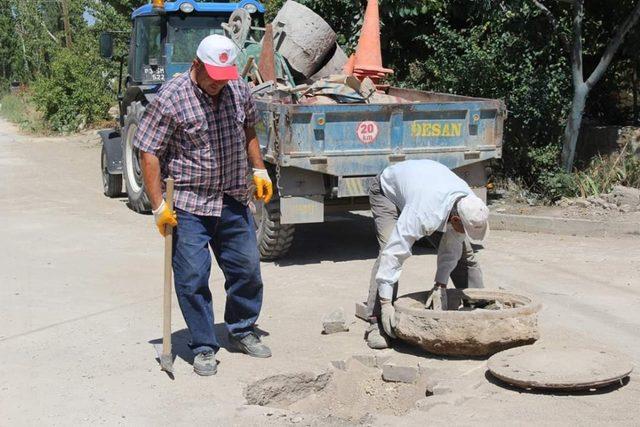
[168,270]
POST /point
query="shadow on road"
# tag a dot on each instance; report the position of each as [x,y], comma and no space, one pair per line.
[406,348]
[180,342]
[550,392]
[343,237]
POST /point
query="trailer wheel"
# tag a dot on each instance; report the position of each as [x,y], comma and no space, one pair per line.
[274,238]
[111,183]
[131,170]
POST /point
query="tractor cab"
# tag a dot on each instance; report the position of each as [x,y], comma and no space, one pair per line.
[166,35]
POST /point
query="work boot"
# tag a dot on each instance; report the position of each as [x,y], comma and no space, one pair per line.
[376,338]
[205,364]
[251,345]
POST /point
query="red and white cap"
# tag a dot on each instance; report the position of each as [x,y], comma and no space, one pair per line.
[218,53]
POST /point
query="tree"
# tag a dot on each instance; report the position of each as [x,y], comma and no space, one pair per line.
[124,7]
[482,48]
[582,86]
[8,45]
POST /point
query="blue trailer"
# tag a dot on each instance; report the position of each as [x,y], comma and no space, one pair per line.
[323,157]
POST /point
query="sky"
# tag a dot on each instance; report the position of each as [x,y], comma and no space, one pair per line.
[88,17]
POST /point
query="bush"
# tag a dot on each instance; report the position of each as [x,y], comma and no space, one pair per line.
[74,93]
[557,184]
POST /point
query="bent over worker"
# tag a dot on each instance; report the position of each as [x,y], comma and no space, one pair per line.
[411,200]
[200,131]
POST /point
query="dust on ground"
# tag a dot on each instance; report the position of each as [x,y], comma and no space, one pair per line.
[622,204]
[353,394]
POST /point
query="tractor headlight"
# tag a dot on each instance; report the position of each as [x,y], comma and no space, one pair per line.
[251,8]
[186,7]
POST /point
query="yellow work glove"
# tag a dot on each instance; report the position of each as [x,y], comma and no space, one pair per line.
[164,217]
[264,187]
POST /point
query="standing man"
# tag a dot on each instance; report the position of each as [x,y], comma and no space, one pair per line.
[409,201]
[200,131]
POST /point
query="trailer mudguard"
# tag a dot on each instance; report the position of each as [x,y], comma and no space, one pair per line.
[112,142]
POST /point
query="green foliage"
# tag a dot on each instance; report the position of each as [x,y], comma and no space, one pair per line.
[74,93]
[8,46]
[599,177]
[499,54]
[556,184]
[19,109]
[490,49]
[498,49]
[400,20]
[603,173]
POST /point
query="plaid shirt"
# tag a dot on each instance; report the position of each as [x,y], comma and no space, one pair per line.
[202,147]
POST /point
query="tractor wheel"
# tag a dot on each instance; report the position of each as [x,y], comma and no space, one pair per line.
[111,183]
[274,238]
[131,170]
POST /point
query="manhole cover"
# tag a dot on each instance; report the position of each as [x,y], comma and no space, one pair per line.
[559,368]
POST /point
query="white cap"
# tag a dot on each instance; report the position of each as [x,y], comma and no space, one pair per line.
[475,217]
[218,53]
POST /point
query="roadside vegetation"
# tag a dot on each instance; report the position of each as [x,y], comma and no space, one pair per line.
[603,173]
[488,48]
[20,109]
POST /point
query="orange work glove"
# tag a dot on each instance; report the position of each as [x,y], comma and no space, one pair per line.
[164,217]
[264,187]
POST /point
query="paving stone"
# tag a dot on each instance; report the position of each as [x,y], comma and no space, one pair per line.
[383,357]
[428,372]
[440,389]
[431,402]
[339,364]
[335,322]
[366,359]
[400,373]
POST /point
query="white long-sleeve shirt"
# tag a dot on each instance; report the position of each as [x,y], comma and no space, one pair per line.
[425,192]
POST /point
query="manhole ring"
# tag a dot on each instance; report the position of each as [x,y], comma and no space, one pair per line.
[468,333]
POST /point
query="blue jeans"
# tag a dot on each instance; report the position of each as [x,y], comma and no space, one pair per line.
[232,239]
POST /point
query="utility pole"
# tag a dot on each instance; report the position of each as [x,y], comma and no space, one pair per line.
[65,20]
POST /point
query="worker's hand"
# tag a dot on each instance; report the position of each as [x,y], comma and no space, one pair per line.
[164,217]
[264,187]
[434,294]
[388,317]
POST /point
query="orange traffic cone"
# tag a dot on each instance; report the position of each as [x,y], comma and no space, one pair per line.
[348,67]
[368,61]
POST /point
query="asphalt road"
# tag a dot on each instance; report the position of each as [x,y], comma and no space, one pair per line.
[80,303]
